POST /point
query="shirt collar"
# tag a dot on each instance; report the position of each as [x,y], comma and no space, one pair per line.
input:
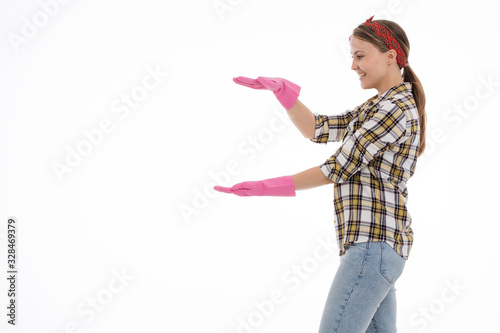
[405,86]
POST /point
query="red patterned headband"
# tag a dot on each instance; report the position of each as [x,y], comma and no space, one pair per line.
[389,40]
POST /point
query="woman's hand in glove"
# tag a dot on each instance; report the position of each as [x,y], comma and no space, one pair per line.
[278,187]
[285,91]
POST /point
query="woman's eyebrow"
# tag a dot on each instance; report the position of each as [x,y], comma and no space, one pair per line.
[357,51]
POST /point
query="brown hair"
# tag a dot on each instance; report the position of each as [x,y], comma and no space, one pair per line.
[365,33]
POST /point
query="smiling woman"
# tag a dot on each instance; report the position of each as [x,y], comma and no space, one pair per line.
[383,45]
[382,66]
[381,140]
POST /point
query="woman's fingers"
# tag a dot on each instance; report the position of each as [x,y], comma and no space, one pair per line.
[223,189]
[248,82]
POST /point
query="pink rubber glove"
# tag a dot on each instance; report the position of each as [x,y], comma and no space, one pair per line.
[285,91]
[276,187]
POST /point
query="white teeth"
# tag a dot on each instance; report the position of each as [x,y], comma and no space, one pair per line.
[361,75]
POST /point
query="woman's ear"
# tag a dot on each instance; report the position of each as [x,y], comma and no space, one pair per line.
[391,56]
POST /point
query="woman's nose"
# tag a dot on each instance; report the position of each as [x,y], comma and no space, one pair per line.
[353,65]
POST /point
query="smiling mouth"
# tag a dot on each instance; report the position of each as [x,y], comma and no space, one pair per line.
[362,75]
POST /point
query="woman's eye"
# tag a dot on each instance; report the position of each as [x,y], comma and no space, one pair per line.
[359,57]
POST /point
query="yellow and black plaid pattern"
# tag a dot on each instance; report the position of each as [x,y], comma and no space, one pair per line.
[380,143]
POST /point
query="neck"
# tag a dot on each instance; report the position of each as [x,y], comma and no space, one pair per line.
[391,80]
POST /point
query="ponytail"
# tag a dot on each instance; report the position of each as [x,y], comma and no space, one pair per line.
[419,96]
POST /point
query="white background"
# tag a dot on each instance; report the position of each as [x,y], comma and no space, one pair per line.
[140,204]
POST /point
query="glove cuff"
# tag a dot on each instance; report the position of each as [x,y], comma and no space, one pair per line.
[288,94]
[281,187]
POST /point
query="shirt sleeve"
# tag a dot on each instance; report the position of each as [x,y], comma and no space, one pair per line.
[332,128]
[385,127]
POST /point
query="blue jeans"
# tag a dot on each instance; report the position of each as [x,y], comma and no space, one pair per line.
[362,297]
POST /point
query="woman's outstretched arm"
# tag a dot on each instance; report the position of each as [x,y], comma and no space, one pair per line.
[281,186]
[310,178]
[303,119]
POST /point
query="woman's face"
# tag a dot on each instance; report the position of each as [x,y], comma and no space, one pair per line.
[371,64]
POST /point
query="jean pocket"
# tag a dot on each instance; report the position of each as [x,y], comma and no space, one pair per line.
[391,264]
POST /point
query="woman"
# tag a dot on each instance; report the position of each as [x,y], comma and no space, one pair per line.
[381,140]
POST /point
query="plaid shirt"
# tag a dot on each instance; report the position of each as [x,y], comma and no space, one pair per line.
[380,143]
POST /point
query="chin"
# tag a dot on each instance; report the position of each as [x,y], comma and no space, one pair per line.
[365,86]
